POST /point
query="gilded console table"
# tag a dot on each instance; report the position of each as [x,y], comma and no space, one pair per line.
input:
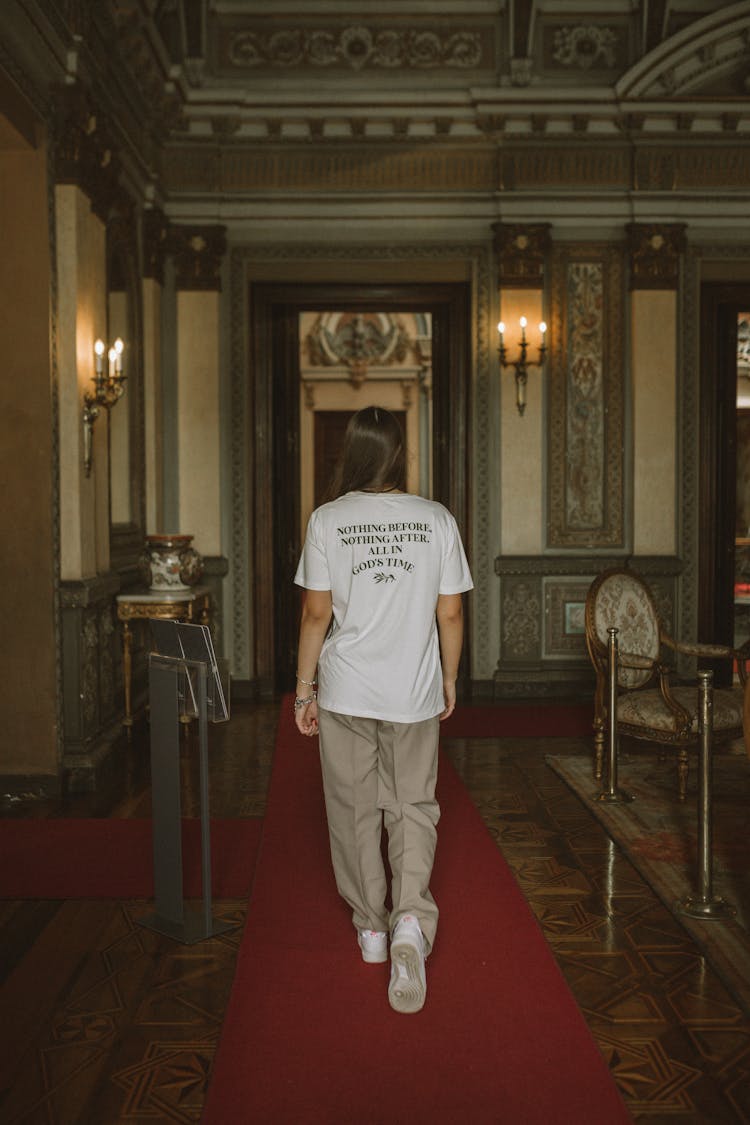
[165,605]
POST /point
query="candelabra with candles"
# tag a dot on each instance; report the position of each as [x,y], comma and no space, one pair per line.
[108,389]
[521,365]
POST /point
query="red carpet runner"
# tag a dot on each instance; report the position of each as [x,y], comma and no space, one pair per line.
[99,858]
[309,1037]
[520,720]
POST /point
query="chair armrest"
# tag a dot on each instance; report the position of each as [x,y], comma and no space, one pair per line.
[717,652]
[635,660]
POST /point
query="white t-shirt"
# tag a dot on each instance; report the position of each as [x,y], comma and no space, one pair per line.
[385,557]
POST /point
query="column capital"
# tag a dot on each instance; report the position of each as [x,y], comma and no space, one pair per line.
[521,249]
[197,253]
[655,250]
[84,150]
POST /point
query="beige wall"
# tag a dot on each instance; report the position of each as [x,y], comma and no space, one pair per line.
[27,654]
[198,420]
[521,436]
[82,317]
[152,396]
[654,382]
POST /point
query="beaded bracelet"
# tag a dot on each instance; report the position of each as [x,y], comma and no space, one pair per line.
[304,702]
[307,683]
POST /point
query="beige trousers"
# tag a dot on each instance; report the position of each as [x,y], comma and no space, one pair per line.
[376,773]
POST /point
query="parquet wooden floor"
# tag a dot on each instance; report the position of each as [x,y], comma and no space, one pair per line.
[102,1021]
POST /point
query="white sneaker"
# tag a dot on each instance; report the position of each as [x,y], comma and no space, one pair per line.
[374,946]
[407,990]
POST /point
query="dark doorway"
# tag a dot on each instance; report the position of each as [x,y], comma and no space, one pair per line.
[330,427]
[721,305]
[274,399]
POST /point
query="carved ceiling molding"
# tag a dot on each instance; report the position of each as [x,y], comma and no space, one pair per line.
[640,166]
[655,252]
[265,43]
[692,57]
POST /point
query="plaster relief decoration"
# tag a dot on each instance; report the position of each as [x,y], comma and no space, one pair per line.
[521,616]
[585,46]
[356,341]
[355,47]
[586,400]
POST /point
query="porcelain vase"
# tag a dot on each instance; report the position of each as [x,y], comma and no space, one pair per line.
[169,563]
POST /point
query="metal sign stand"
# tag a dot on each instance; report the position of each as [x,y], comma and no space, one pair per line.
[179,687]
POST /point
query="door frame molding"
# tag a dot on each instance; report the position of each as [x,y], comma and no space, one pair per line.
[720,301]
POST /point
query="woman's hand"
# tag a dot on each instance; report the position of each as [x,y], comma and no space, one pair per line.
[449,695]
[306,718]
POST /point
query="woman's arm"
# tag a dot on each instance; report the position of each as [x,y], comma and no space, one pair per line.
[450,622]
[316,617]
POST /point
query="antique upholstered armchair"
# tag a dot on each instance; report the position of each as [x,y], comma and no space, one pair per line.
[649,706]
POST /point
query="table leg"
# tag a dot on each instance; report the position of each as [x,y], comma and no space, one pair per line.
[127,671]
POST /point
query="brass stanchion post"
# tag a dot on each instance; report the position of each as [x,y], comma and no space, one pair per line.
[612,793]
[704,904]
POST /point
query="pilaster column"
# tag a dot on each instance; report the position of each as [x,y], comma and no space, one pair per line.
[197,255]
[155,249]
[521,250]
[655,251]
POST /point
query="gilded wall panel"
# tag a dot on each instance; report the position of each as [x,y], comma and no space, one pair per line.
[586,396]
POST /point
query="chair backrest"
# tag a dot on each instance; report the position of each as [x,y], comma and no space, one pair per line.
[621,599]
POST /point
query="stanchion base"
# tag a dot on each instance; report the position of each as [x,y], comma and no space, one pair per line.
[191,930]
[715,908]
[615,797]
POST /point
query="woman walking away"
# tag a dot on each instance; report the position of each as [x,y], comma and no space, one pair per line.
[379,645]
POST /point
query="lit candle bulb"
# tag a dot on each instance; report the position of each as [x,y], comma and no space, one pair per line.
[501,330]
[523,322]
[118,347]
[112,355]
[98,353]
[543,328]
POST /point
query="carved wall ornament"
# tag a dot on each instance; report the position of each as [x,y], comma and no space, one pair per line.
[521,620]
[356,47]
[521,71]
[357,341]
[521,251]
[585,46]
[586,439]
[655,251]
[198,252]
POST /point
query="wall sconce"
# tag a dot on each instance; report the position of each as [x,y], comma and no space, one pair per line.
[108,389]
[520,364]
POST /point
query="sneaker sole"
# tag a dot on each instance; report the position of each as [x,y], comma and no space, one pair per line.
[374,958]
[407,990]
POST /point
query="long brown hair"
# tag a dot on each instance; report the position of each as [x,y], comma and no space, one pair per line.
[373,456]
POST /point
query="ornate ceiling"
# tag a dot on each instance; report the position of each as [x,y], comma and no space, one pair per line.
[208,96]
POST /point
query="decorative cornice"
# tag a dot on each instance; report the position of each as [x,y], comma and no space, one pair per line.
[521,250]
[155,243]
[197,253]
[655,250]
